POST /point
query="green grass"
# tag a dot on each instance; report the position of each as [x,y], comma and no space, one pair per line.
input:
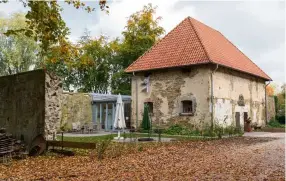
[91,139]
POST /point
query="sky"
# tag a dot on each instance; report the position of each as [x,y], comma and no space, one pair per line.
[255,27]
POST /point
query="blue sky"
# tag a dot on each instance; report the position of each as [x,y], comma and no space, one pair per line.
[255,27]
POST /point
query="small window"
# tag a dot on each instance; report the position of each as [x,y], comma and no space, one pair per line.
[150,106]
[187,106]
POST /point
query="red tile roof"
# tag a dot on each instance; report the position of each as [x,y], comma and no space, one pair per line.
[192,42]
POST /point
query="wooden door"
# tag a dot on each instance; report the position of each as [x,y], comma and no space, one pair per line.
[237,119]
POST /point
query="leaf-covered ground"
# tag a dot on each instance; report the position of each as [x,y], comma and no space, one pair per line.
[228,159]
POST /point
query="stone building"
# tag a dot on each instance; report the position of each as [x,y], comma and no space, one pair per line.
[196,75]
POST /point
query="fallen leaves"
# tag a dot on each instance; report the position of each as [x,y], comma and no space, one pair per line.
[226,159]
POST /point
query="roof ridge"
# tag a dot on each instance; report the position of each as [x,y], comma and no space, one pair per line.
[155,44]
[196,32]
[244,55]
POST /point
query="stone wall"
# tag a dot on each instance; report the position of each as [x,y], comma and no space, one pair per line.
[238,93]
[76,107]
[22,104]
[29,105]
[53,87]
[167,90]
[270,108]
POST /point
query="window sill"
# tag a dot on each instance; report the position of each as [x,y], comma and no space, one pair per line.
[186,114]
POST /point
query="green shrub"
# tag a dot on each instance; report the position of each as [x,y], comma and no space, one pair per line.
[102,146]
[280,119]
[229,130]
[275,124]
[175,129]
[218,131]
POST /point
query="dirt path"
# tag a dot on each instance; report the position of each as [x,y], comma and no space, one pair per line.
[244,158]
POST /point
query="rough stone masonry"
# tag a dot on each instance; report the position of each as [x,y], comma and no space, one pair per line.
[30,105]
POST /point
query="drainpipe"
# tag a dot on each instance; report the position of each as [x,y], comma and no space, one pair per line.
[266,107]
[212,97]
[136,94]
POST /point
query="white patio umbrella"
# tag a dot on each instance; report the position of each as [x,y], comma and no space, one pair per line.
[119,120]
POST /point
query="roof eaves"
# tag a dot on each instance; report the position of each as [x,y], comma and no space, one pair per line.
[177,66]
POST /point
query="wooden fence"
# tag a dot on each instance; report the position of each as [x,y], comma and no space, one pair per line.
[70,144]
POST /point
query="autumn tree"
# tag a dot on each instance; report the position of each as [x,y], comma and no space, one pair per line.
[269,90]
[141,32]
[44,22]
[94,76]
[64,60]
[18,52]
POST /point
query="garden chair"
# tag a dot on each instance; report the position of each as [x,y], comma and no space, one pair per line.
[75,127]
[90,128]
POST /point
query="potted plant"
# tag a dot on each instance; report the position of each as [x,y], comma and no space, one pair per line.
[247,125]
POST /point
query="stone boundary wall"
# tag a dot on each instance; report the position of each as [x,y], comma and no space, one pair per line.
[29,105]
[22,105]
[53,110]
[76,107]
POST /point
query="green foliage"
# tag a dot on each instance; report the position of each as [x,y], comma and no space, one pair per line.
[146,123]
[95,78]
[281,118]
[175,129]
[18,52]
[141,32]
[206,130]
[280,105]
[45,24]
[102,145]
[64,127]
[275,124]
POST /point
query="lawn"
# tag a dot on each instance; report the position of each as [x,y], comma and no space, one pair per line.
[91,139]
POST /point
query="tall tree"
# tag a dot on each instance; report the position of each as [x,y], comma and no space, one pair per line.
[96,77]
[141,32]
[18,52]
[64,60]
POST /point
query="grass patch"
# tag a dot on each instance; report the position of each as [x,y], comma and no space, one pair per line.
[92,139]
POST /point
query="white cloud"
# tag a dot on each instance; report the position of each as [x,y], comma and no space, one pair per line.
[114,23]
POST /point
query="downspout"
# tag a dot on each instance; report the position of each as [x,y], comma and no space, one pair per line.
[266,107]
[136,95]
[212,97]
